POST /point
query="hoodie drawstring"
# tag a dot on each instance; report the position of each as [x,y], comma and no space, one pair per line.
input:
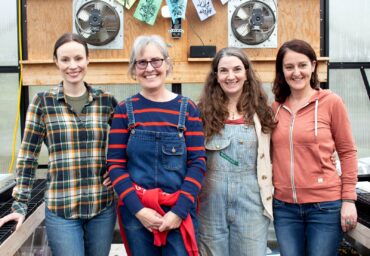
[316,107]
[277,112]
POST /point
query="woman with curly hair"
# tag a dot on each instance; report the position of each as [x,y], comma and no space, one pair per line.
[236,198]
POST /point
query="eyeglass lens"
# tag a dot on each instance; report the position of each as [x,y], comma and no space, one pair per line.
[143,64]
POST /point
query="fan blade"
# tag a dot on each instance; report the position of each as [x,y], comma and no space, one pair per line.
[83,25]
[83,15]
[268,22]
[86,33]
[242,14]
[259,37]
[100,5]
[257,5]
[243,29]
[103,35]
[111,22]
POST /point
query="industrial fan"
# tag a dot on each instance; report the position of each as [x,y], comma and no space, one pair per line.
[252,23]
[97,22]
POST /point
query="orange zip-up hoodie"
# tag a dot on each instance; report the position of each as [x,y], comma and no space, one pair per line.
[302,144]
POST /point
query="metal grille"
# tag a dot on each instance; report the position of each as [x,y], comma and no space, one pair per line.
[37,197]
[363,208]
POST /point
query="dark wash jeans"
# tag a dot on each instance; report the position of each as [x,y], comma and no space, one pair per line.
[311,229]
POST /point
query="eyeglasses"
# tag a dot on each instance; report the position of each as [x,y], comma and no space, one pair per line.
[143,64]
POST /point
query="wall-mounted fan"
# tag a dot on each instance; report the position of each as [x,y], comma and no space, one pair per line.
[99,23]
[252,24]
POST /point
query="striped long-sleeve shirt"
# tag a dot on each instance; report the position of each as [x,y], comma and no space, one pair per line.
[160,117]
[77,153]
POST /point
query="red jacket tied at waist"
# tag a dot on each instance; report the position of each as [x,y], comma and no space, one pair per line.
[154,198]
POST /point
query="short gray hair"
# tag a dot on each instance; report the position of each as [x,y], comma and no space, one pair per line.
[139,45]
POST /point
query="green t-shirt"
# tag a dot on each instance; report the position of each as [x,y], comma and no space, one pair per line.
[78,103]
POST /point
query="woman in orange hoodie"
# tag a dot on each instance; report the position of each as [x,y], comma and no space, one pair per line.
[313,203]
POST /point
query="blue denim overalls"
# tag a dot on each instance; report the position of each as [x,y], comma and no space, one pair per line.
[231,220]
[155,160]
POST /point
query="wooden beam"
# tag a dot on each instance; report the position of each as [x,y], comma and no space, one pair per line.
[361,234]
[12,244]
[110,72]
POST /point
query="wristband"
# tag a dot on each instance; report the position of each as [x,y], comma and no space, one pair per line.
[348,201]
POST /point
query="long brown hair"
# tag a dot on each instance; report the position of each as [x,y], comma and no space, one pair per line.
[213,101]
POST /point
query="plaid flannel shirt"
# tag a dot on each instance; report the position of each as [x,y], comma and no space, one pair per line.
[77,153]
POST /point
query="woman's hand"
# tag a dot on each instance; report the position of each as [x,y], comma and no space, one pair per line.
[348,216]
[149,218]
[107,182]
[170,221]
[17,217]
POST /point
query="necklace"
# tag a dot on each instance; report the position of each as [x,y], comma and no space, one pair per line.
[233,115]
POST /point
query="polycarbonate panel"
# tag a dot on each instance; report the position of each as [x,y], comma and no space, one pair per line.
[8,35]
[192,91]
[8,111]
[349,85]
[349,33]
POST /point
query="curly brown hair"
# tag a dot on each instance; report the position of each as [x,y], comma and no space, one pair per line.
[213,101]
[280,87]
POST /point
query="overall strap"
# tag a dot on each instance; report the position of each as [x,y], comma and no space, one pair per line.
[130,113]
[182,115]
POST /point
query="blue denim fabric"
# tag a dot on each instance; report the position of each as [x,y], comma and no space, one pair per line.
[231,220]
[311,229]
[156,160]
[140,240]
[80,237]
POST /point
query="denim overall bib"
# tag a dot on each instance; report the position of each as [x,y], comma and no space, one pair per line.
[231,220]
[155,160]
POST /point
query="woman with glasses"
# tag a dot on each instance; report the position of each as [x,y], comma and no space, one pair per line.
[236,199]
[156,158]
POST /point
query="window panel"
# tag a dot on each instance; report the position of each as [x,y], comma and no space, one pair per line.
[349,33]
[348,84]
[192,91]
[8,35]
[8,112]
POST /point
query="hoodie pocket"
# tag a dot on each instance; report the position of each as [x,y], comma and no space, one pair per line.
[308,167]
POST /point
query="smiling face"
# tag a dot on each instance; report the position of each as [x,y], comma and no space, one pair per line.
[231,76]
[72,62]
[151,78]
[298,69]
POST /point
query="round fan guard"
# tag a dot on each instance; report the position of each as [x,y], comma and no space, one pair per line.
[257,27]
[97,22]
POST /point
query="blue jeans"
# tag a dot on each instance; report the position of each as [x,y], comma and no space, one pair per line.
[79,237]
[308,229]
[140,240]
